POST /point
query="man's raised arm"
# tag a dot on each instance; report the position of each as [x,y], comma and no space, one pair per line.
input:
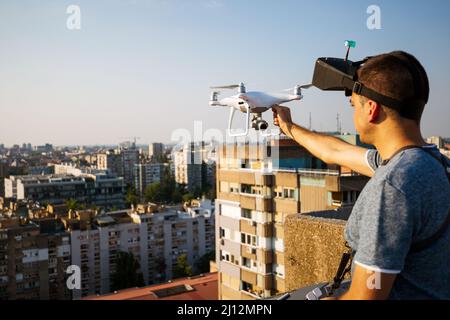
[329,149]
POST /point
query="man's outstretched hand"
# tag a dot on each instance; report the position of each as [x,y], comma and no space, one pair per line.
[282,118]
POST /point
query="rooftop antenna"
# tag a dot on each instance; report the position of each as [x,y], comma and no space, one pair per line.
[310,121]
[349,44]
[338,122]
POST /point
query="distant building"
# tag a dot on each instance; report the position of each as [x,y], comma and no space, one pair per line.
[155,150]
[47,148]
[110,161]
[99,189]
[129,158]
[33,260]
[148,173]
[120,162]
[194,165]
[438,141]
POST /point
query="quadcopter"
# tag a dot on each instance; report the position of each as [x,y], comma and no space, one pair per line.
[329,74]
[254,103]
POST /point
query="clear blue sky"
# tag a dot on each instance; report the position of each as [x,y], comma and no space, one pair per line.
[143,68]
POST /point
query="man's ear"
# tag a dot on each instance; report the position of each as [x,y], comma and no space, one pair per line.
[374,109]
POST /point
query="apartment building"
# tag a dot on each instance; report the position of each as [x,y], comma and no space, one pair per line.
[34,257]
[91,188]
[148,173]
[156,236]
[155,150]
[258,187]
[195,165]
[111,161]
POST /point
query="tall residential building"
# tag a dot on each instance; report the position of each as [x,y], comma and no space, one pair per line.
[110,161]
[34,257]
[148,173]
[256,192]
[155,236]
[129,158]
[155,150]
[188,163]
[194,165]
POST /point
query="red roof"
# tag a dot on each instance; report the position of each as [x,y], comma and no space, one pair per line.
[205,288]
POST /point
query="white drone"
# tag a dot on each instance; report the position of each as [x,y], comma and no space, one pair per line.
[253,102]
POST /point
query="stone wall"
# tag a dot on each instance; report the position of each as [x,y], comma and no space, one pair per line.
[313,248]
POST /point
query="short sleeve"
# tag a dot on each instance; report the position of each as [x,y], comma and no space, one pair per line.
[386,228]
[373,159]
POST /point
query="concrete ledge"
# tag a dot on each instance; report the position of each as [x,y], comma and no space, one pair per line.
[313,248]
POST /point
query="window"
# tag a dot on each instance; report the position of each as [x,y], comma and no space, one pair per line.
[246,262]
[248,239]
[289,193]
[234,188]
[246,213]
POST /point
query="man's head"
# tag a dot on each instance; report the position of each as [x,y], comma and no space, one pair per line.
[397,75]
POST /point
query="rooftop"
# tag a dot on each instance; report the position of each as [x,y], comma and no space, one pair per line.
[202,287]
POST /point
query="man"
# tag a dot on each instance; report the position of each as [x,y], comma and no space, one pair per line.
[407,199]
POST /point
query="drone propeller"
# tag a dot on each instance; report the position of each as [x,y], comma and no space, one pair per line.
[305,86]
[232,86]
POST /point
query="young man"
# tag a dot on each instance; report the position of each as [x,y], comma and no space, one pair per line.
[407,199]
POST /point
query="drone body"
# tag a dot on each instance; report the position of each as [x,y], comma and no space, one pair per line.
[253,102]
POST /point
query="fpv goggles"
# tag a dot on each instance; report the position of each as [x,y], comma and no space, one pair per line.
[334,74]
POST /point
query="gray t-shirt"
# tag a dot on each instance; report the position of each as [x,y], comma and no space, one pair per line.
[406,201]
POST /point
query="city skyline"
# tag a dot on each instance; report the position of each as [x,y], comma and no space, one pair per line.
[143,68]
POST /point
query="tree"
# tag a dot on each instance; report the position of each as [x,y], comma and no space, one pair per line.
[127,273]
[177,196]
[72,204]
[202,264]
[131,197]
[153,192]
[182,268]
[164,192]
[188,197]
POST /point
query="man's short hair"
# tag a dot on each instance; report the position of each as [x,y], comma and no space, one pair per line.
[398,75]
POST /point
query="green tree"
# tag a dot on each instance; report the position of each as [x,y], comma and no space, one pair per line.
[164,192]
[72,204]
[153,192]
[177,196]
[188,197]
[182,268]
[131,197]
[202,263]
[127,273]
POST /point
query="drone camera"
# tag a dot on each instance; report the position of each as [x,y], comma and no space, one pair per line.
[262,125]
[258,123]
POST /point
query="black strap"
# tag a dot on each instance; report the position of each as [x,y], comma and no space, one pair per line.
[343,270]
[404,107]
